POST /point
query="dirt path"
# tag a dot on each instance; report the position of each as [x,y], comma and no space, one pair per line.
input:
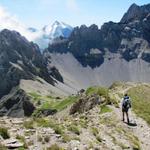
[138,126]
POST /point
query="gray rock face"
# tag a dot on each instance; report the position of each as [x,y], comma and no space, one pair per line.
[21,59]
[129,38]
[12,143]
[114,68]
[16,104]
[85,104]
[45,112]
[136,12]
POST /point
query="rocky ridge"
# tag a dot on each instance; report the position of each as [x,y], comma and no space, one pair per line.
[97,128]
[129,38]
[20,59]
[16,104]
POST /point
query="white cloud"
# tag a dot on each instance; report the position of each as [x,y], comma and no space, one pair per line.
[8,21]
[72,5]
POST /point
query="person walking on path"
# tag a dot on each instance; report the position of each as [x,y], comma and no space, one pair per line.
[126,104]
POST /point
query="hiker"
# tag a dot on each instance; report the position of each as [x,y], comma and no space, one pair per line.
[126,104]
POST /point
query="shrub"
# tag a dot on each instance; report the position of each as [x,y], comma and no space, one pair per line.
[95,131]
[41,122]
[54,147]
[98,138]
[40,138]
[74,129]
[58,129]
[66,138]
[105,109]
[140,98]
[4,133]
[65,103]
[22,139]
[2,147]
[101,91]
[46,138]
[50,123]
[35,95]
[28,124]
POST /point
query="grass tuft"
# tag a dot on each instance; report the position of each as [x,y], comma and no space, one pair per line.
[74,129]
[55,147]
[140,97]
[105,109]
[28,124]
[4,133]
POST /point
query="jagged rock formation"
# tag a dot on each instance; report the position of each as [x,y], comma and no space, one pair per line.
[129,38]
[116,52]
[98,128]
[85,104]
[57,29]
[20,59]
[16,104]
[45,112]
[136,12]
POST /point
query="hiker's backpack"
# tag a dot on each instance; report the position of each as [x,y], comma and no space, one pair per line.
[126,102]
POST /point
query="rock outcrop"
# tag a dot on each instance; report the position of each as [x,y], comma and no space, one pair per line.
[12,143]
[85,103]
[16,104]
[136,12]
[130,38]
[21,59]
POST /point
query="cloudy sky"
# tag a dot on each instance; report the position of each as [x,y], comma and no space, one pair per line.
[37,13]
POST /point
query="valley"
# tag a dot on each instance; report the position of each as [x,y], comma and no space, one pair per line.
[61,86]
[94,126]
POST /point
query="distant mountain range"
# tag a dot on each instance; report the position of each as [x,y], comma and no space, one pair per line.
[117,51]
[58,29]
[130,38]
[51,32]
[73,58]
[43,36]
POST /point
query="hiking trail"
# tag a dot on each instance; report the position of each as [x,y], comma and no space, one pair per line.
[138,126]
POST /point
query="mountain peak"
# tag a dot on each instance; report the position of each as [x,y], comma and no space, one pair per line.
[136,12]
[57,23]
[58,29]
[134,5]
[132,13]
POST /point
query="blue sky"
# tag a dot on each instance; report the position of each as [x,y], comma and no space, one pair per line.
[38,13]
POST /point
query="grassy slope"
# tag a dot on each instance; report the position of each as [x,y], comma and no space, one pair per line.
[103,92]
[49,102]
[104,123]
[141,101]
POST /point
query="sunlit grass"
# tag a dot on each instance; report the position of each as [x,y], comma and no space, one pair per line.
[140,96]
[105,109]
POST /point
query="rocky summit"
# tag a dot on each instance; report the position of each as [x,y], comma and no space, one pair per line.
[96,125]
[129,38]
[21,59]
[88,56]
[69,95]
[115,52]
[16,104]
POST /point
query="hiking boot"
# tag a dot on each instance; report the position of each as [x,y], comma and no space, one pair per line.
[128,121]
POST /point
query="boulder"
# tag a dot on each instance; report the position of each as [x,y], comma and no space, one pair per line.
[44,112]
[16,104]
[12,143]
[21,59]
[85,104]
